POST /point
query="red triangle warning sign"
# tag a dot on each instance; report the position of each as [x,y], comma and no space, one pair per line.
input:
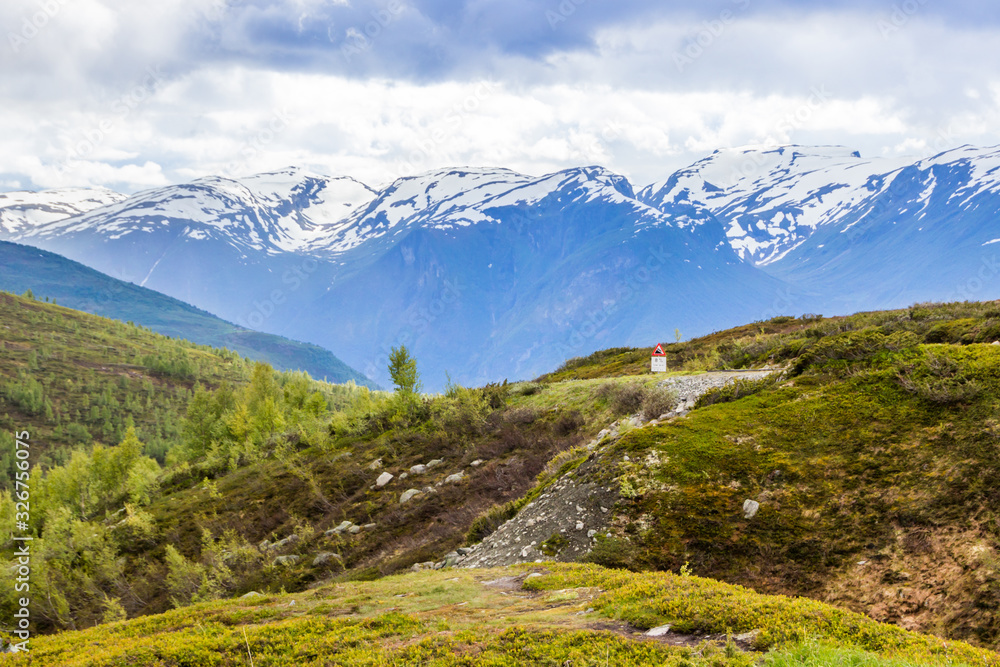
[658,352]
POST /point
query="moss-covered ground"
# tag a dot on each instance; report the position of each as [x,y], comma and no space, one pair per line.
[571,615]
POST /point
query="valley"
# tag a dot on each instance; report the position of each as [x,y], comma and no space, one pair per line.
[524,272]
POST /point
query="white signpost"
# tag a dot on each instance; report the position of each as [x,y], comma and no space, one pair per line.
[659,360]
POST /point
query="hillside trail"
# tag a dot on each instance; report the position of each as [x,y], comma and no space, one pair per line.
[564,522]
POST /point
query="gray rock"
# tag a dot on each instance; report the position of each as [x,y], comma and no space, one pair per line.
[403,475]
[324,558]
[375,465]
[418,469]
[658,631]
[264,545]
[354,530]
[344,525]
[434,463]
[426,565]
[281,544]
[457,477]
[251,594]
[383,479]
[368,526]
[408,495]
[747,636]
[477,463]
[750,508]
[287,561]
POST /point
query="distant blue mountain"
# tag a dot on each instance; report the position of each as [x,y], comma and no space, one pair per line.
[487,273]
[847,233]
[76,286]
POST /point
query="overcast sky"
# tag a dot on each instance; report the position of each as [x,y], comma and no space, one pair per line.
[131,94]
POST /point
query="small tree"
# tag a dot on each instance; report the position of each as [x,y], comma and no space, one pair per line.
[403,370]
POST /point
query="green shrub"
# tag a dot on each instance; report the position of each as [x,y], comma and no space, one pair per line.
[658,401]
[622,399]
[939,379]
[950,332]
[554,544]
[737,389]
[527,389]
[852,346]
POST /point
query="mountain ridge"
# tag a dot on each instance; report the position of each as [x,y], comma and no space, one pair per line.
[749,233]
[76,286]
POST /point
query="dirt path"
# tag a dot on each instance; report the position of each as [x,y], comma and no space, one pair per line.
[563,522]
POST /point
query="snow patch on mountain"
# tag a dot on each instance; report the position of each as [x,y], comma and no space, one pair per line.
[274,212]
[770,200]
[24,210]
[455,198]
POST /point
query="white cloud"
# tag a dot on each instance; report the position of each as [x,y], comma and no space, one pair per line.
[81,86]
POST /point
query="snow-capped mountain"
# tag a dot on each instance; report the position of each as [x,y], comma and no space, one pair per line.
[928,233]
[771,200]
[482,272]
[24,210]
[488,273]
[456,198]
[273,212]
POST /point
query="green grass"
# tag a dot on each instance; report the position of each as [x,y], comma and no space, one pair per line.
[782,339]
[573,614]
[851,462]
[567,396]
[873,461]
[814,654]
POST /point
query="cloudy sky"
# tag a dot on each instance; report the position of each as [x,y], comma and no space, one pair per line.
[131,94]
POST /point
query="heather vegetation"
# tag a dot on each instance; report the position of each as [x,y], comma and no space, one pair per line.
[203,477]
[570,615]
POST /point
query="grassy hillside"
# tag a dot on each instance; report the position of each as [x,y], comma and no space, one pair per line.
[71,284]
[872,460]
[553,614]
[74,379]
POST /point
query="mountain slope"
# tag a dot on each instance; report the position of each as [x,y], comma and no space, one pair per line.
[521,272]
[70,379]
[76,286]
[851,233]
[869,462]
[927,235]
[22,211]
